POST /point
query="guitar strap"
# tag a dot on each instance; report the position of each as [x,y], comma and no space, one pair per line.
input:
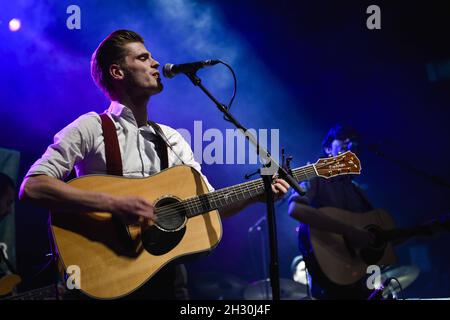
[161,145]
[112,149]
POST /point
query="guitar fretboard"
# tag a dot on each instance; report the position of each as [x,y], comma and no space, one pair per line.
[227,196]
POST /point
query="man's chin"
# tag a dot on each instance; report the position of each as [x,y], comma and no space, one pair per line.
[153,90]
[158,89]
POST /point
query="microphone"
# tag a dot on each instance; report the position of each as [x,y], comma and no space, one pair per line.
[171,70]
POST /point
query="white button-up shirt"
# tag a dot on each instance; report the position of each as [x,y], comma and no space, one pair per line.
[80,145]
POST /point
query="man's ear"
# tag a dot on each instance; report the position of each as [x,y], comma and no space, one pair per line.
[116,72]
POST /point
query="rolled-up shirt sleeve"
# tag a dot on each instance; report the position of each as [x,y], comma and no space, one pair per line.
[69,147]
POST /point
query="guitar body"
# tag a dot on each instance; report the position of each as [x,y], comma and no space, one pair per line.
[336,261]
[113,259]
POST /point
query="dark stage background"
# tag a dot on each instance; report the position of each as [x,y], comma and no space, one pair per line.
[301,66]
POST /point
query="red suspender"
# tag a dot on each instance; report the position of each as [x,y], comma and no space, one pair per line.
[112,149]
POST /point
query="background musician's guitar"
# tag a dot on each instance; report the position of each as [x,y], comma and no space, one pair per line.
[345,265]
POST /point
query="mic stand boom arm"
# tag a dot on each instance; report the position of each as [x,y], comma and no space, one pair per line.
[270,168]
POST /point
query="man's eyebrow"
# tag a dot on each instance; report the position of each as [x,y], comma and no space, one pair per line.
[143,55]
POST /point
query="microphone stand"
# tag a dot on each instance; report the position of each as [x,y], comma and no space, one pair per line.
[7,262]
[270,167]
[436,180]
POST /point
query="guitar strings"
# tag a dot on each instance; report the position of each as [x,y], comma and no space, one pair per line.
[195,203]
[217,195]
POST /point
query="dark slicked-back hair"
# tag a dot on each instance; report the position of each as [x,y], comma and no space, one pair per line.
[110,51]
[339,132]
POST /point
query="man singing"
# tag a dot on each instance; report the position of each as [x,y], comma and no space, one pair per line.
[127,73]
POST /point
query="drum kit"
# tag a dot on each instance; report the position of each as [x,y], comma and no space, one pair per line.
[221,286]
[289,290]
[398,279]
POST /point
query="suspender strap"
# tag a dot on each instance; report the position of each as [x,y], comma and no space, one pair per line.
[112,149]
[161,145]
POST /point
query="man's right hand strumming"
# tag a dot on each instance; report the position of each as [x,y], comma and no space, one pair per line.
[59,196]
[133,209]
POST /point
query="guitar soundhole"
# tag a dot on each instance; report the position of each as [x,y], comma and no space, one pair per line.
[374,253]
[170,214]
[169,229]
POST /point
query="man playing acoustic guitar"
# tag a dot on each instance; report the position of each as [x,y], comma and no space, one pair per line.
[127,73]
[338,192]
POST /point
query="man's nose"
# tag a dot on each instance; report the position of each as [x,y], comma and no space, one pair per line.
[155,64]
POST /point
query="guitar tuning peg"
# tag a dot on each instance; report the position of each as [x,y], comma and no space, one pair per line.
[286,161]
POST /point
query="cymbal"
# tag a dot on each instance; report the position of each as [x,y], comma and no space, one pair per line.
[215,285]
[404,274]
[262,290]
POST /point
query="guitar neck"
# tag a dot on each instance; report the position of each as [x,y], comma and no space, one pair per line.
[227,196]
[418,231]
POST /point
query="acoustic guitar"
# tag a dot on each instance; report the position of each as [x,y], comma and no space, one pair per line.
[114,258]
[345,265]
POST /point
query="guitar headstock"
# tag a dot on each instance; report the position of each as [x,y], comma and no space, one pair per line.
[346,163]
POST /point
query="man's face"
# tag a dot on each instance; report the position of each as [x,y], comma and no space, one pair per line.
[338,146]
[6,202]
[141,74]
